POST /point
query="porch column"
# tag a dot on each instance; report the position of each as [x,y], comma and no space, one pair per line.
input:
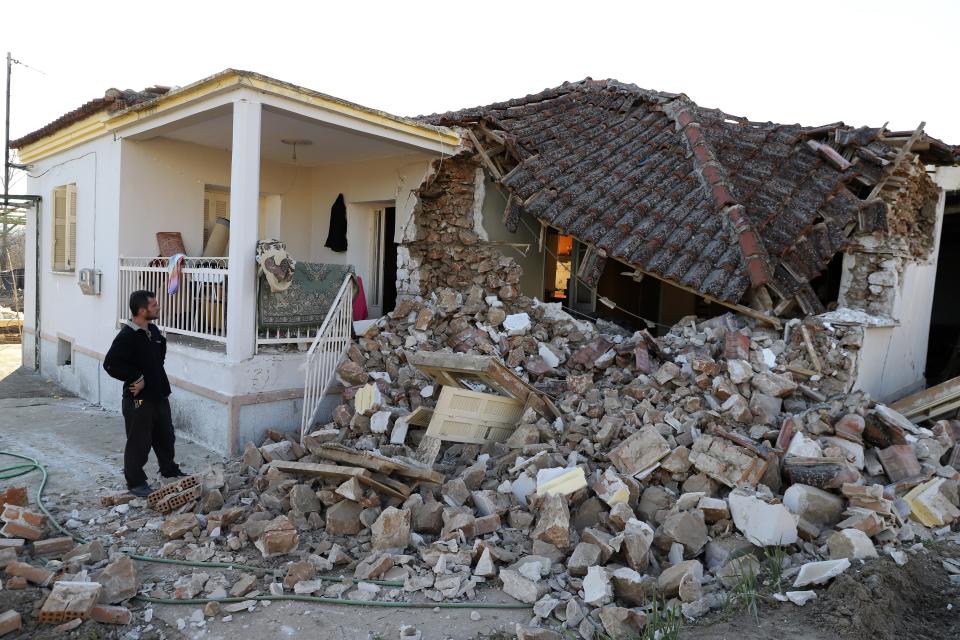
[244,198]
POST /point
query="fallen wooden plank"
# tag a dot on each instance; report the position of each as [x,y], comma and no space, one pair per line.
[380,464]
[336,471]
[931,402]
[453,368]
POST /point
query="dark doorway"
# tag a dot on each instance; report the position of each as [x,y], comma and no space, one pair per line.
[943,349]
[389,260]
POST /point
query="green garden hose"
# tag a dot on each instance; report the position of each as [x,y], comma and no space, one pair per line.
[358,603]
[32,464]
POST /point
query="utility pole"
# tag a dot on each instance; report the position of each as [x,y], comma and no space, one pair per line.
[6,172]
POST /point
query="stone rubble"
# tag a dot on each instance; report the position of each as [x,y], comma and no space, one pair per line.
[672,463]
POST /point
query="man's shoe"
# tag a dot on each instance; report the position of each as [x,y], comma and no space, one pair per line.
[141,491]
[178,474]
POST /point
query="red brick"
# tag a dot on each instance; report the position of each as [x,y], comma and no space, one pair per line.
[19,513]
[20,529]
[486,524]
[757,271]
[9,622]
[35,575]
[108,614]
[736,346]
[15,496]
[52,546]
[16,583]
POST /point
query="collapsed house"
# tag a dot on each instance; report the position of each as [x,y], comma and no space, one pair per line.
[640,204]
[629,205]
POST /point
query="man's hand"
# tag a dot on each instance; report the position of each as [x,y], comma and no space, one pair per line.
[136,387]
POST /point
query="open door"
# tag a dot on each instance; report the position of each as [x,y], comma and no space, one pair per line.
[382,289]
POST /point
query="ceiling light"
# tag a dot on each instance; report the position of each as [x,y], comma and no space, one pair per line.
[295,142]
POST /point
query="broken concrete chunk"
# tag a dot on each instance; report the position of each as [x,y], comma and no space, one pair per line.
[639,452]
[773,384]
[522,588]
[852,544]
[726,462]
[119,581]
[801,445]
[560,481]
[820,572]
[669,581]
[714,509]
[930,506]
[553,522]
[597,587]
[763,524]
[583,557]
[687,528]
[800,598]
[632,587]
[637,538]
[343,518]
[392,529]
[611,488]
[279,538]
[814,505]
[732,573]
[620,622]
[739,371]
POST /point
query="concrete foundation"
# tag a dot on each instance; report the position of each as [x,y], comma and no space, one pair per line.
[204,413]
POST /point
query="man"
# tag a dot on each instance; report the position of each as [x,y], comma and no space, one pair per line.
[136,358]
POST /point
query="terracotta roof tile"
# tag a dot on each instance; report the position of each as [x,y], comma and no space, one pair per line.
[693,195]
[112,100]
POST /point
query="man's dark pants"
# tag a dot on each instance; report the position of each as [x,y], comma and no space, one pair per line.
[148,424]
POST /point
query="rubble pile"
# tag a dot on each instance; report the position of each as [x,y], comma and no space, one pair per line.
[583,469]
[77,582]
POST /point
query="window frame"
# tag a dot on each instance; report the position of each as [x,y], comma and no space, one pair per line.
[68,266]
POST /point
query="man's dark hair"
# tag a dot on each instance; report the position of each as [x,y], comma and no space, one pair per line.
[140,300]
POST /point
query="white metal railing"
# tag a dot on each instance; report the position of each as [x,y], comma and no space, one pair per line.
[327,351]
[299,335]
[197,309]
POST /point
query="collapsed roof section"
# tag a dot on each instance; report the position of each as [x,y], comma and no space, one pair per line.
[694,196]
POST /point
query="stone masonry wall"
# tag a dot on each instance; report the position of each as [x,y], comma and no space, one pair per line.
[447,245]
[875,262]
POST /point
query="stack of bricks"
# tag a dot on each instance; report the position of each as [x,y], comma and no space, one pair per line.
[20,522]
[69,601]
[175,495]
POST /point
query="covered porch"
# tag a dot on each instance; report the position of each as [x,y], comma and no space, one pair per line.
[262,160]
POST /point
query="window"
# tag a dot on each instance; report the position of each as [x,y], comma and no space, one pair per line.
[65,228]
[64,353]
[216,204]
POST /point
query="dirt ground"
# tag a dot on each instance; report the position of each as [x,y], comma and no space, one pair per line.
[82,447]
[873,601]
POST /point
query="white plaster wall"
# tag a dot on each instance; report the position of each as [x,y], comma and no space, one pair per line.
[283,416]
[365,186]
[65,310]
[162,187]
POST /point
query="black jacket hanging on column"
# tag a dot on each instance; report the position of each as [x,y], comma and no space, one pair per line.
[337,236]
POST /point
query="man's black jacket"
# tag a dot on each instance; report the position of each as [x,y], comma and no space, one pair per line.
[135,353]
